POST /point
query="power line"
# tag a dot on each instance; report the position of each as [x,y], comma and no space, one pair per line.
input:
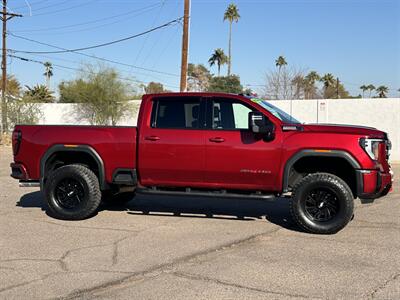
[33,3]
[105,60]
[52,5]
[99,45]
[82,70]
[90,22]
[129,73]
[61,10]
[95,57]
[152,25]
[5,16]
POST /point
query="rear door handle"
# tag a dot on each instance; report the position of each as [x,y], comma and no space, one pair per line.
[152,138]
[217,140]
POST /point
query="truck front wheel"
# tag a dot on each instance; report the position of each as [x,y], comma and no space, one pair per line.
[72,192]
[322,203]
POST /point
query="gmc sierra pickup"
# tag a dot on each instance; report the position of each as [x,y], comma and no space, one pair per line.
[209,144]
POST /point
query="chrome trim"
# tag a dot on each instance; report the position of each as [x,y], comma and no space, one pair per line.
[29,184]
[365,171]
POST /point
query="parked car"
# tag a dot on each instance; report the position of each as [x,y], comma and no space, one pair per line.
[210,144]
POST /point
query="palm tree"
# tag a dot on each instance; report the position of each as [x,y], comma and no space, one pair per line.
[299,84]
[312,77]
[328,81]
[363,88]
[280,62]
[382,90]
[370,87]
[219,58]
[310,80]
[38,94]
[232,15]
[48,72]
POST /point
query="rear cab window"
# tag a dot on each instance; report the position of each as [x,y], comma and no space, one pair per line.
[176,113]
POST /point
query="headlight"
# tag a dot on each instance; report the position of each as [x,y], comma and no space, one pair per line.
[371,146]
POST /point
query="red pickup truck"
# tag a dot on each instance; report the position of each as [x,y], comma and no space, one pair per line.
[210,144]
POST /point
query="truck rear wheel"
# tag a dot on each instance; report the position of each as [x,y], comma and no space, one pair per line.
[322,203]
[72,192]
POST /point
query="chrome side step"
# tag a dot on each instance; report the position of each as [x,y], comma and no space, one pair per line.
[29,184]
[216,194]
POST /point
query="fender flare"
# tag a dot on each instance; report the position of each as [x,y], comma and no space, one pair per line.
[312,153]
[76,148]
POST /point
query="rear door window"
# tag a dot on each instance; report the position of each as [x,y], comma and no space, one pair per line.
[176,113]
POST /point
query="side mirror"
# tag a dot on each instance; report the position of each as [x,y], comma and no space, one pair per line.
[259,124]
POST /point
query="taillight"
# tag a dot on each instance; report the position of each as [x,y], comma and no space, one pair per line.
[16,141]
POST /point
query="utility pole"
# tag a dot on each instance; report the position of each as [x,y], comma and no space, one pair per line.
[5,16]
[337,87]
[185,46]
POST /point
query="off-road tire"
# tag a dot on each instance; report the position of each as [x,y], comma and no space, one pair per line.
[88,189]
[342,195]
[120,199]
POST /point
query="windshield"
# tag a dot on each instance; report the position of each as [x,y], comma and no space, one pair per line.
[277,112]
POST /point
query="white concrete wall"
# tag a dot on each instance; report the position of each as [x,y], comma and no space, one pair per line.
[383,114]
[65,114]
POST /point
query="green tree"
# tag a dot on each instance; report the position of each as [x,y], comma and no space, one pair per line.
[226,84]
[232,15]
[363,88]
[370,87]
[48,73]
[101,96]
[19,111]
[38,94]
[219,58]
[328,81]
[154,88]
[198,78]
[382,91]
[12,93]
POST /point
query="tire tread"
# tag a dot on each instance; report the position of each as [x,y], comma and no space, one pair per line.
[331,179]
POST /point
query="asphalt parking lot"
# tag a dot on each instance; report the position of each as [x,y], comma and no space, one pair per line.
[193,248]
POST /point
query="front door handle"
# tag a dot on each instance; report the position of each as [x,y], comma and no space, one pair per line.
[217,140]
[152,138]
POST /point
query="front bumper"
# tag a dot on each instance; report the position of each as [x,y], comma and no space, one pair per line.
[372,184]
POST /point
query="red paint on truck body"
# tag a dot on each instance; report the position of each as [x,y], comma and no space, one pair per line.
[216,159]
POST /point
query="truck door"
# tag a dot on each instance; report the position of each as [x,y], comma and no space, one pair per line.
[236,158]
[172,143]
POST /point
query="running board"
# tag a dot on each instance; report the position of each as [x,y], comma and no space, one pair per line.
[29,184]
[217,194]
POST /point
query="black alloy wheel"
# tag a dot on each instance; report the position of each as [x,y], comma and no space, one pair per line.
[69,193]
[72,192]
[321,204]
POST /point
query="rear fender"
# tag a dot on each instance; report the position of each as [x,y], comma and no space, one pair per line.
[73,148]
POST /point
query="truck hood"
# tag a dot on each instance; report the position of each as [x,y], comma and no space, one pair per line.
[345,129]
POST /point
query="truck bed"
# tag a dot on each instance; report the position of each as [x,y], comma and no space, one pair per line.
[115,145]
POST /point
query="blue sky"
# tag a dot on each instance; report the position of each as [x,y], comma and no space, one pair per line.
[356,40]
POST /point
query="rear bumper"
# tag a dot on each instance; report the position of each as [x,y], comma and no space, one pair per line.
[18,171]
[373,184]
